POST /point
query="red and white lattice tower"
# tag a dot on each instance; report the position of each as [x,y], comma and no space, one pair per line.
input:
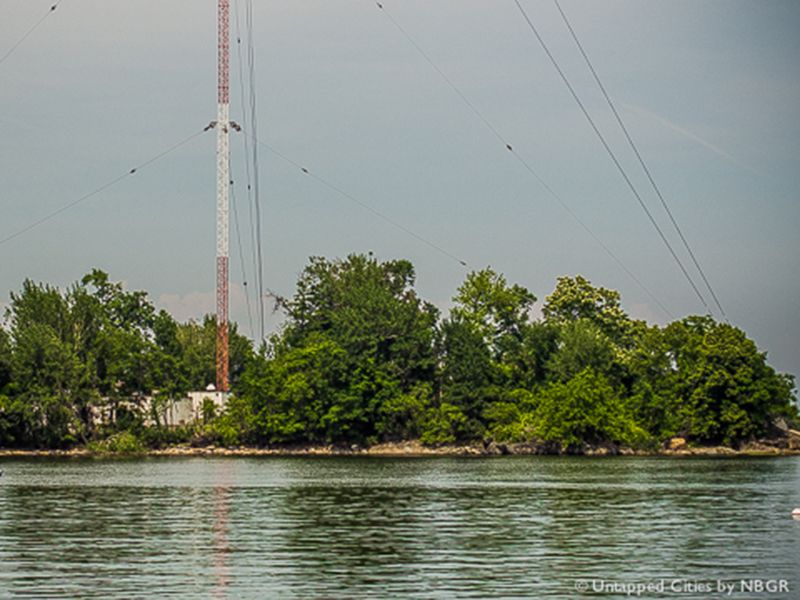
[223,182]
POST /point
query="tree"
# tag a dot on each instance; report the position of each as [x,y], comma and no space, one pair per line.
[576,298]
[585,409]
[370,309]
[581,345]
[470,378]
[728,391]
[50,380]
[193,345]
[5,359]
[362,358]
[653,379]
[499,312]
[532,365]
[358,344]
[484,352]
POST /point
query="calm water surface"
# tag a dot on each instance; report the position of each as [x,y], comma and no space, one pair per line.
[327,527]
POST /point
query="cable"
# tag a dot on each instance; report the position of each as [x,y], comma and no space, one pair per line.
[524,163]
[639,157]
[246,144]
[250,126]
[49,12]
[102,188]
[611,154]
[443,75]
[591,233]
[234,202]
[253,129]
[363,205]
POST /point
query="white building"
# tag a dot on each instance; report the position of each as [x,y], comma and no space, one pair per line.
[190,408]
[173,413]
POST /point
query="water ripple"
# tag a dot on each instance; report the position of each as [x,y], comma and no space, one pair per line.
[330,527]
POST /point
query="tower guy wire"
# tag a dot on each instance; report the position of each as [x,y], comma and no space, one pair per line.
[612,155]
[102,188]
[324,182]
[27,34]
[237,231]
[525,164]
[639,157]
[248,102]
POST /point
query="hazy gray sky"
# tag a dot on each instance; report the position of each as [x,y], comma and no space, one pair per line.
[710,90]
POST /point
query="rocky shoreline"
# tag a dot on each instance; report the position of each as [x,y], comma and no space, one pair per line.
[676,448]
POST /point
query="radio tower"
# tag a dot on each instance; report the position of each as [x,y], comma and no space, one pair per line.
[223,182]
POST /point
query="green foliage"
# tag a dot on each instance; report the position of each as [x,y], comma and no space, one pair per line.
[5,360]
[162,437]
[362,358]
[357,350]
[302,394]
[485,347]
[496,310]
[469,375]
[443,425]
[94,347]
[123,442]
[530,366]
[513,419]
[586,409]
[576,298]
[193,347]
[223,432]
[729,392]
[403,417]
[582,345]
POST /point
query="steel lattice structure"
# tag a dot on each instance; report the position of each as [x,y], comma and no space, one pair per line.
[223,182]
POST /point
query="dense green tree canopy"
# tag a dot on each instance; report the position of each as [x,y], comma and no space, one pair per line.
[358,346]
[361,358]
[576,298]
[94,347]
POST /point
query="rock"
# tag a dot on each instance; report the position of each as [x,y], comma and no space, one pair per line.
[781,425]
[493,449]
[677,443]
[523,448]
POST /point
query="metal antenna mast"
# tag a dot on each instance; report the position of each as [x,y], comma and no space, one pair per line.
[223,183]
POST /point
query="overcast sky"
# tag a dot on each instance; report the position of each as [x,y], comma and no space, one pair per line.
[710,91]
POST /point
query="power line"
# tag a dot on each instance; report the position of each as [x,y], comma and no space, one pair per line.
[35,26]
[102,188]
[443,75]
[639,157]
[363,205]
[594,236]
[522,161]
[247,154]
[611,154]
[234,204]
[253,129]
[250,123]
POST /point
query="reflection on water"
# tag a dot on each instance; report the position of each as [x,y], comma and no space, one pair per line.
[352,527]
[221,500]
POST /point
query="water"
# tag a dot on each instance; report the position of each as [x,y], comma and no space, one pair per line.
[347,527]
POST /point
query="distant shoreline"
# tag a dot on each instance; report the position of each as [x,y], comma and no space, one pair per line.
[406,449]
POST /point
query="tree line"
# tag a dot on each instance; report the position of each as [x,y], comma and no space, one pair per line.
[362,359]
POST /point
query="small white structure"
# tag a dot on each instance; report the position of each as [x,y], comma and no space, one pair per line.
[172,413]
[191,408]
[109,412]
